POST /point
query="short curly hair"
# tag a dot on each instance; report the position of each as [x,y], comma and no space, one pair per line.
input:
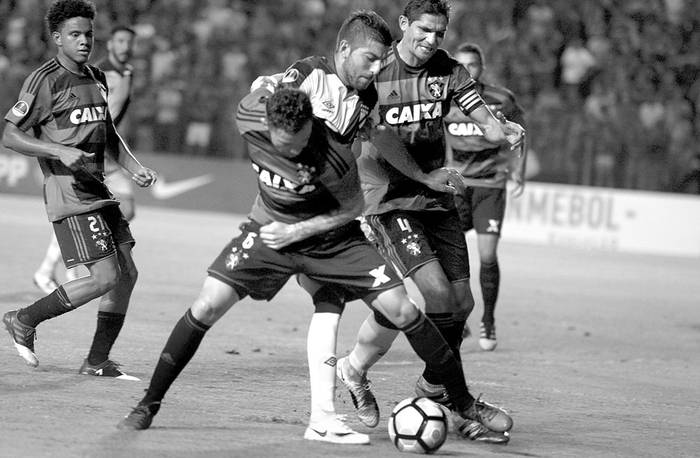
[62,10]
[289,110]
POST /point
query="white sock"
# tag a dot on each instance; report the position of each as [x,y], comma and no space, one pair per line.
[373,341]
[320,351]
[51,258]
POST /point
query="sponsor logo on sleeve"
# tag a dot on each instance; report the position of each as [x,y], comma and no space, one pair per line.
[20,109]
[290,75]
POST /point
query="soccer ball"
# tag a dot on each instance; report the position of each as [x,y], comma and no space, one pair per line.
[418,425]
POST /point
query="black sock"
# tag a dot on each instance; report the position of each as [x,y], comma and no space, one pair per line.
[431,347]
[181,346]
[490,277]
[443,322]
[47,307]
[108,327]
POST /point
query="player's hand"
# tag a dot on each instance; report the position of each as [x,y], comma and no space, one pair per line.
[144,177]
[515,134]
[278,235]
[72,157]
[518,188]
[445,179]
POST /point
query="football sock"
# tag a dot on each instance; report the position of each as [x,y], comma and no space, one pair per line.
[179,349]
[373,341]
[490,278]
[108,326]
[444,323]
[431,347]
[51,258]
[320,351]
[47,307]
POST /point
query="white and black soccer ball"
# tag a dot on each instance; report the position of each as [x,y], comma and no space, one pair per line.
[418,425]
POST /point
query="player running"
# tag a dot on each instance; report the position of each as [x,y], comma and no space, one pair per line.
[486,167]
[118,73]
[61,118]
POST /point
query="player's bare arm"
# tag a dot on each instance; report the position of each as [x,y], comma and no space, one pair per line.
[278,235]
[118,87]
[17,140]
[117,148]
[390,147]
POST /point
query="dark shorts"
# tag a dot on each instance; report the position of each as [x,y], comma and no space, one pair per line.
[342,257]
[482,209]
[89,237]
[410,239]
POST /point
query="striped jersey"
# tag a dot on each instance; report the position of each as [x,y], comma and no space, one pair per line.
[314,182]
[482,162]
[343,110]
[413,101]
[59,106]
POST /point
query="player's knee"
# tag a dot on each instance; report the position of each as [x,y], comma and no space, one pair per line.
[400,314]
[328,300]
[208,309]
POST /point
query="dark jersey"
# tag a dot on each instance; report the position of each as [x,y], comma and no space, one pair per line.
[343,109]
[314,182]
[59,106]
[482,162]
[412,101]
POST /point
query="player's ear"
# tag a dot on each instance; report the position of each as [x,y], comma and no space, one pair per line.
[403,23]
[56,35]
[344,48]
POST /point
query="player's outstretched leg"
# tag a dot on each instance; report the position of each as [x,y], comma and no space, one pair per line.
[360,392]
[22,336]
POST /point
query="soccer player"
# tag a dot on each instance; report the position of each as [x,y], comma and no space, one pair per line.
[417,228]
[486,167]
[118,72]
[342,96]
[61,118]
[303,221]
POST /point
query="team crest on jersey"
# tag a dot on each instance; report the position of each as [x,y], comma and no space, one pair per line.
[20,109]
[436,84]
[290,75]
[305,173]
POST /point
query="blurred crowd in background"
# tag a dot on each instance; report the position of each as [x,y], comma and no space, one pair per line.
[610,87]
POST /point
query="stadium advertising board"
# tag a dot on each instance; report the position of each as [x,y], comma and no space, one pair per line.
[606,219]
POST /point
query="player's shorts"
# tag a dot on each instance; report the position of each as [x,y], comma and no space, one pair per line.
[410,239]
[119,184]
[341,257]
[482,209]
[89,237]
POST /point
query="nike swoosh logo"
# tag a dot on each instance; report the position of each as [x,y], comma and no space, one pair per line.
[322,434]
[162,190]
